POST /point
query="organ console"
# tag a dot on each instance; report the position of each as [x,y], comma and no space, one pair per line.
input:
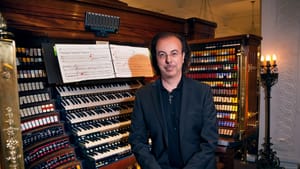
[83,124]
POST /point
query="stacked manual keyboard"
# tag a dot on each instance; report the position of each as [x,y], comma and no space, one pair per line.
[98,118]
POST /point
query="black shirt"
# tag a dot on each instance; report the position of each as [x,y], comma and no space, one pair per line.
[171,102]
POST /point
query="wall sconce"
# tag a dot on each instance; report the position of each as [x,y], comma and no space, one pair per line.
[268,63]
[269,76]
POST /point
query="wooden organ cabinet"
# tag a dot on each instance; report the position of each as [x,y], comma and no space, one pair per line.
[230,66]
[83,124]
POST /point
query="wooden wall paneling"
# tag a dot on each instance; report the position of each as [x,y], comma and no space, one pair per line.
[198,31]
[65,19]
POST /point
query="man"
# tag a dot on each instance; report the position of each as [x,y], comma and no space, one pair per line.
[175,113]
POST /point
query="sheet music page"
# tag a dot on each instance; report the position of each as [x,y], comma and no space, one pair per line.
[80,62]
[131,61]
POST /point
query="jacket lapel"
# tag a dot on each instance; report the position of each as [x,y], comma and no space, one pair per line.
[158,109]
[184,106]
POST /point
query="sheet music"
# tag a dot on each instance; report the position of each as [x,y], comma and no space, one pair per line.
[131,61]
[80,62]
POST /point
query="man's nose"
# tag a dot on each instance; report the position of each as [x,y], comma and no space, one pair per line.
[168,59]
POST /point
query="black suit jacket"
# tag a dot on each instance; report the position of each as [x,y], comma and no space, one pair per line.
[197,129]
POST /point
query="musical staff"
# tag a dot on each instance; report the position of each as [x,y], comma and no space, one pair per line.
[79,62]
[84,62]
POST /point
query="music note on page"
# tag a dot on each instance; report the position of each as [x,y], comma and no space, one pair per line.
[79,62]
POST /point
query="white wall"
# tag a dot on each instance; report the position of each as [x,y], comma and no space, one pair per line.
[281,35]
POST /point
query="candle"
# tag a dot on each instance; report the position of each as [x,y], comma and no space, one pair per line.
[262,60]
[274,59]
[268,59]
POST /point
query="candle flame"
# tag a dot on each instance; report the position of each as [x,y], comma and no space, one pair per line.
[268,58]
[262,58]
[274,57]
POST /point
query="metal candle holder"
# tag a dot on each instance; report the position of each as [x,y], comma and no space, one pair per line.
[267,157]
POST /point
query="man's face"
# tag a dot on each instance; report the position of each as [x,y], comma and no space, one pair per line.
[170,57]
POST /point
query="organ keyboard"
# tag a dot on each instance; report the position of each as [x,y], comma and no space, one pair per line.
[92,100]
[108,153]
[98,117]
[104,112]
[99,126]
[112,151]
[99,88]
[92,141]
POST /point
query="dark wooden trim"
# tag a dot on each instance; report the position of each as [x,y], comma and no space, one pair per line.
[65,20]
